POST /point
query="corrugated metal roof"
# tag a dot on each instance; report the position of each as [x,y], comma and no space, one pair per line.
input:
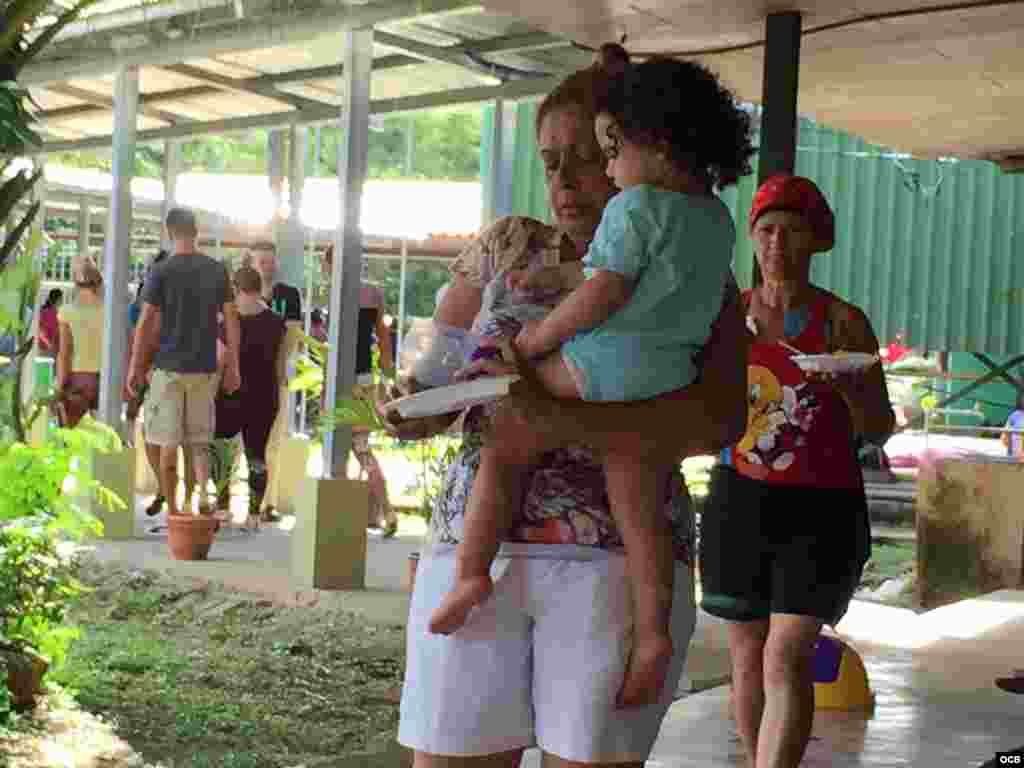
[929,249]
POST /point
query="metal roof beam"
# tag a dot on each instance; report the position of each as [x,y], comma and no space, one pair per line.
[100,100]
[195,91]
[516,89]
[528,41]
[252,32]
[445,54]
[466,55]
[243,86]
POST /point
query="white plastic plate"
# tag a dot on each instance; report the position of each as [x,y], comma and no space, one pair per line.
[452,398]
[844,363]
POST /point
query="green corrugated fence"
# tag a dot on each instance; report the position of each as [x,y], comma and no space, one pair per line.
[927,248]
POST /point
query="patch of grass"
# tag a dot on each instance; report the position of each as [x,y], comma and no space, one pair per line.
[198,679]
[893,559]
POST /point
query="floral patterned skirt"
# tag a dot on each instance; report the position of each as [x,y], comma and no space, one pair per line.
[566,503]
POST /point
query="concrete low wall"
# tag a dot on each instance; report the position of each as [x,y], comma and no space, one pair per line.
[970,529]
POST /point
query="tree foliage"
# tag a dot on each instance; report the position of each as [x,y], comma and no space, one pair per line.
[445,146]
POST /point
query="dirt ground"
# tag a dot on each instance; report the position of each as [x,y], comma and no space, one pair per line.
[182,675]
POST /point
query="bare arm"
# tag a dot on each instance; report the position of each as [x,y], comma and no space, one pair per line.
[588,306]
[384,342]
[702,418]
[233,334]
[146,342]
[459,308]
[64,355]
[281,363]
[292,337]
[461,303]
[866,395]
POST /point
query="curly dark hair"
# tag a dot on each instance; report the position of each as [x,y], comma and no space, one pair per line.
[683,104]
[586,89]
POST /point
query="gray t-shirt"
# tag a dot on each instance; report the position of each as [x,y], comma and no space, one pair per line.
[189,290]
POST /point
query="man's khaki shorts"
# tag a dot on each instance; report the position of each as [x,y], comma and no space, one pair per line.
[180,408]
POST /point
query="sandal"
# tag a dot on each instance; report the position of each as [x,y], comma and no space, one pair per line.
[1014,683]
[269,515]
[155,507]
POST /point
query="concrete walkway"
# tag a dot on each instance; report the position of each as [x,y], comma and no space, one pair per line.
[936,705]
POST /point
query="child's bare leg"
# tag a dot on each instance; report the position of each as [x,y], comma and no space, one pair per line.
[556,377]
[496,497]
[636,492]
[493,501]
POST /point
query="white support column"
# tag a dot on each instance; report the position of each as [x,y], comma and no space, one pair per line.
[401,302]
[118,251]
[39,194]
[275,169]
[347,268]
[84,227]
[292,247]
[172,167]
[502,171]
[331,513]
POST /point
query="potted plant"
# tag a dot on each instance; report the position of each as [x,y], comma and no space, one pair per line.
[38,513]
[43,513]
[191,536]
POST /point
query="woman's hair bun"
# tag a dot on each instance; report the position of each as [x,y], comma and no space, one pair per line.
[612,58]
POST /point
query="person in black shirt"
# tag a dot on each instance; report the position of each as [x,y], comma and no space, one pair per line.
[253,409]
[283,299]
[286,302]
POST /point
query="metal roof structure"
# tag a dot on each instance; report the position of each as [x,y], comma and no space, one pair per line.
[209,66]
[929,78]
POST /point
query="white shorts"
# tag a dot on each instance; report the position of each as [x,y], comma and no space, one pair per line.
[539,663]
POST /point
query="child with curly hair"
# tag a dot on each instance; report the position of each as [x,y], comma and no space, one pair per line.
[656,273]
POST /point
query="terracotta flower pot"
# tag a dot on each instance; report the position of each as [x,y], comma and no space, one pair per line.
[190,536]
[25,670]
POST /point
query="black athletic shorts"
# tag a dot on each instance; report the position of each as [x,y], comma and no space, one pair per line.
[767,548]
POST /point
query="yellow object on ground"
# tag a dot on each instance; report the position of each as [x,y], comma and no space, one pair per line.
[841,681]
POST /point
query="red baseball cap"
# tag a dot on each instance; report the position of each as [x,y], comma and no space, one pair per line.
[785,192]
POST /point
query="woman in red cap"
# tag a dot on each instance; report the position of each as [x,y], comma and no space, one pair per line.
[785,532]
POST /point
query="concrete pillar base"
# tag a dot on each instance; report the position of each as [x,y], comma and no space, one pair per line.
[116,472]
[293,459]
[329,538]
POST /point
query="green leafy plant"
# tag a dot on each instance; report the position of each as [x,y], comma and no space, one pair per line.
[352,411]
[43,486]
[47,483]
[224,464]
[37,580]
[44,510]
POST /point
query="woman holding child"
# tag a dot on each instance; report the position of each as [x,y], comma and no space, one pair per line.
[547,655]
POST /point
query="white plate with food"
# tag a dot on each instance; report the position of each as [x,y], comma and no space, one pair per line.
[452,398]
[839,362]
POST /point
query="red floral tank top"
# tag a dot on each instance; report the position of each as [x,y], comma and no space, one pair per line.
[799,431]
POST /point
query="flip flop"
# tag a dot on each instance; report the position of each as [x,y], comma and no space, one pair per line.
[1014,683]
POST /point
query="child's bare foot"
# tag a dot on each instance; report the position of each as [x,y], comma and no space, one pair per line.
[463,597]
[645,671]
